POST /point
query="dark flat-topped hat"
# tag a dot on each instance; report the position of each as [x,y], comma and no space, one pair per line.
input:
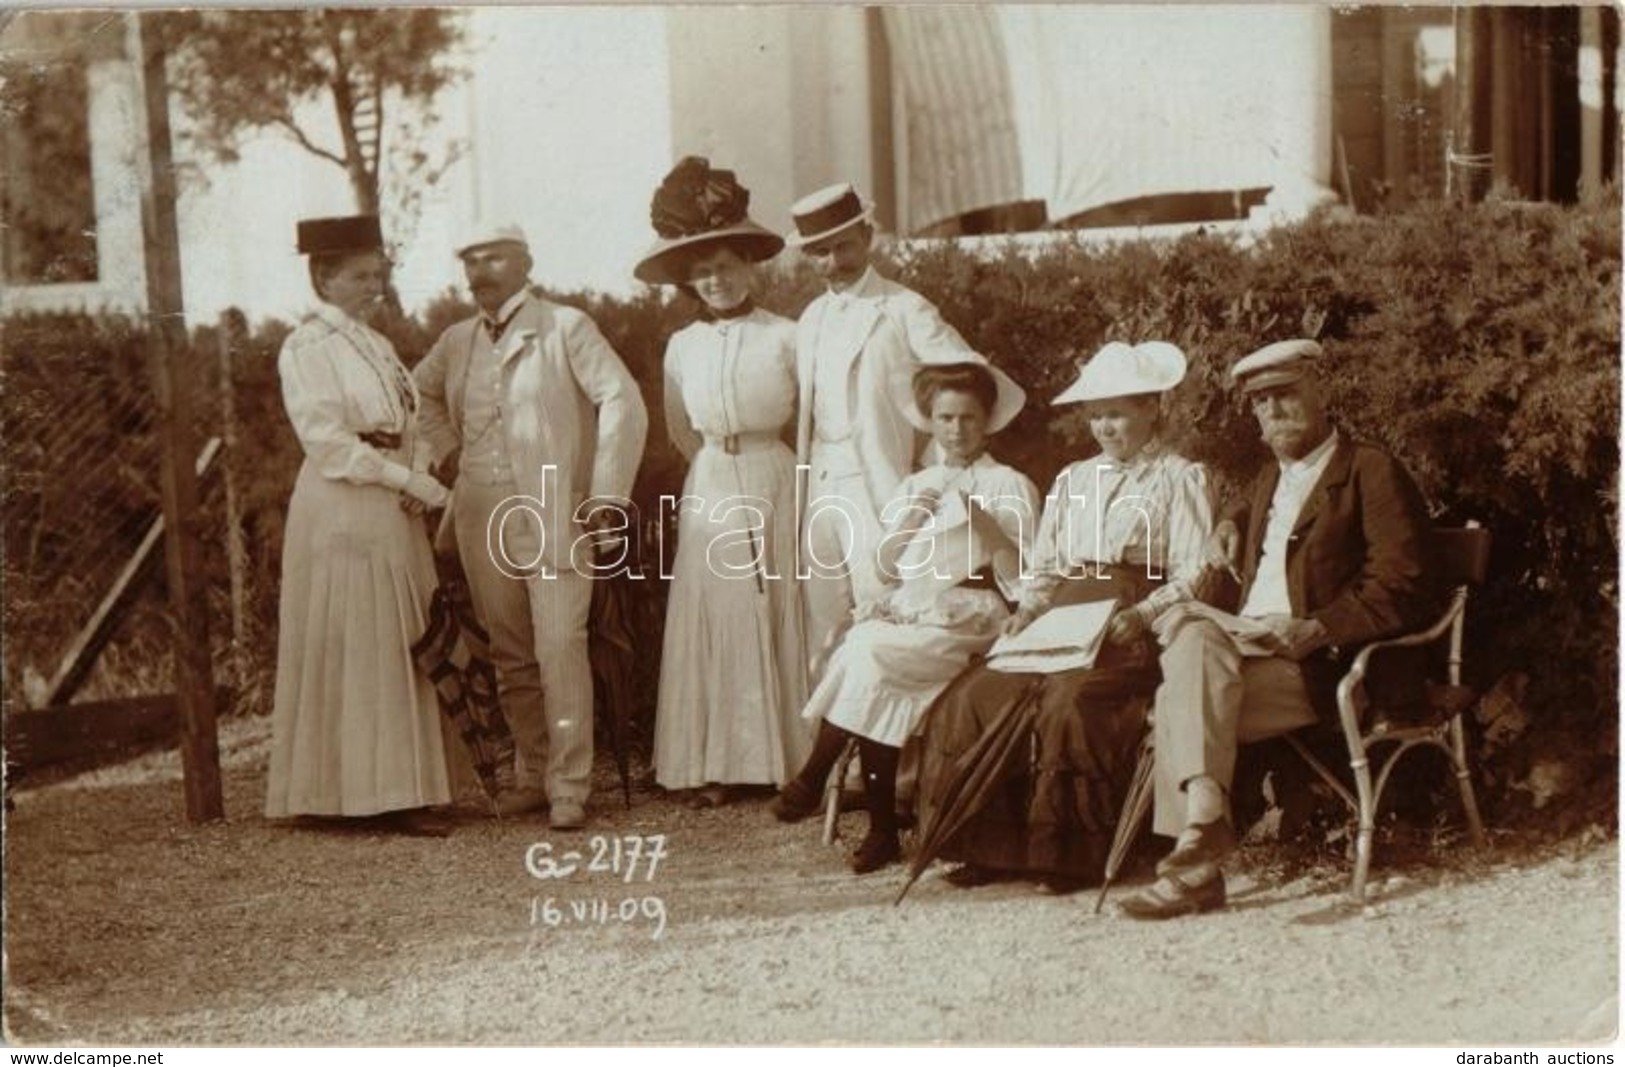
[695,208]
[342,233]
[826,213]
[1281,363]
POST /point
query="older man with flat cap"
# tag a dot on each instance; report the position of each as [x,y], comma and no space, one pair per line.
[547,423]
[857,348]
[1331,544]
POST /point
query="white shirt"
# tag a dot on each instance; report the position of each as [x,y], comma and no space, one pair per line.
[832,377]
[1268,595]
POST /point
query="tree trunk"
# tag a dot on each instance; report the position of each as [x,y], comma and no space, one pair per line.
[362,183]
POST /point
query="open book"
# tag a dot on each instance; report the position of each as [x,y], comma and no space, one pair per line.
[1061,639]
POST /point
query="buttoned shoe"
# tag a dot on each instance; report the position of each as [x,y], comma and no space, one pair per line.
[1187,891]
[971,875]
[794,802]
[415,822]
[1059,885]
[520,801]
[1200,844]
[876,851]
[567,815]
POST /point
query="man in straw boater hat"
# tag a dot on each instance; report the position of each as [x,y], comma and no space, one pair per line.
[857,348]
[1331,544]
[544,416]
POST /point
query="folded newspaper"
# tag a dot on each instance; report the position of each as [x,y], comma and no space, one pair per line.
[1061,639]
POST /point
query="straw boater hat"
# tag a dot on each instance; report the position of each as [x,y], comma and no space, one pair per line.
[338,234]
[697,206]
[826,213]
[1006,406]
[1127,370]
[1281,363]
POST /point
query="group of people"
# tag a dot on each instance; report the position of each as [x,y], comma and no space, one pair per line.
[848,553]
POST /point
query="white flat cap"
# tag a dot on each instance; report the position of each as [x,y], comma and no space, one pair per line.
[1127,370]
[1281,363]
[493,232]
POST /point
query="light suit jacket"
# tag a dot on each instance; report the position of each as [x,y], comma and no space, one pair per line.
[569,404]
[883,335]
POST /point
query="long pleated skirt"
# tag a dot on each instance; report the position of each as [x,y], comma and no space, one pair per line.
[356,729]
[733,668]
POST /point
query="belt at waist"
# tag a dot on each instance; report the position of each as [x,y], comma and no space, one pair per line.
[735,443]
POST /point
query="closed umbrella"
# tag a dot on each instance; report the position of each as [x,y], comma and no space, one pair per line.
[454,653]
[974,776]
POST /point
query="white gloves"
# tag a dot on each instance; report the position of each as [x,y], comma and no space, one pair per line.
[424,488]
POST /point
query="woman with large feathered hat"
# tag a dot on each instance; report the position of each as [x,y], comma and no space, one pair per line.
[733,673]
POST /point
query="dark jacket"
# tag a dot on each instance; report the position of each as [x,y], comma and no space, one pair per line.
[1357,560]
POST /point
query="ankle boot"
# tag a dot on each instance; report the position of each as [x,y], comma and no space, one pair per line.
[799,798]
[880,846]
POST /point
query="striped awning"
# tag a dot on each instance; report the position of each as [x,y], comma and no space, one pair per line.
[953,113]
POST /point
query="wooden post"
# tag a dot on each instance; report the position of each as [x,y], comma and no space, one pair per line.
[168,364]
[1610,79]
[1470,162]
[1560,118]
[233,330]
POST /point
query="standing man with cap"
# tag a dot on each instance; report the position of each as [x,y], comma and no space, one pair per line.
[857,348]
[546,418]
[1331,541]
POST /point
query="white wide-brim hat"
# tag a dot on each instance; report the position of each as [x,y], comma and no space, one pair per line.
[1127,370]
[1007,404]
[826,213]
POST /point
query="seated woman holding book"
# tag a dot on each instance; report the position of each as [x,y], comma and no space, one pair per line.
[1127,525]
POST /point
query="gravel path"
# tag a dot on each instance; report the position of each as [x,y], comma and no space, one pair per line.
[127,926]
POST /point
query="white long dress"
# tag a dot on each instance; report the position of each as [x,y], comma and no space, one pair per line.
[893,664]
[733,670]
[355,730]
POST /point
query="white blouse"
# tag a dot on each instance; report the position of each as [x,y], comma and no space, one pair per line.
[1008,496]
[732,376]
[341,379]
[1154,510]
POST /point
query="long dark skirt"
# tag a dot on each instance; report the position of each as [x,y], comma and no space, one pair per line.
[1053,813]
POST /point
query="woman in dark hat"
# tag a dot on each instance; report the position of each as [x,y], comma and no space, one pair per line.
[356,730]
[733,672]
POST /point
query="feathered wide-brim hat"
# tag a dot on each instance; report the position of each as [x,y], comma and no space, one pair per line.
[697,207]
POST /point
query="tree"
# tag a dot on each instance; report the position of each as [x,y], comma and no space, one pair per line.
[240,72]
